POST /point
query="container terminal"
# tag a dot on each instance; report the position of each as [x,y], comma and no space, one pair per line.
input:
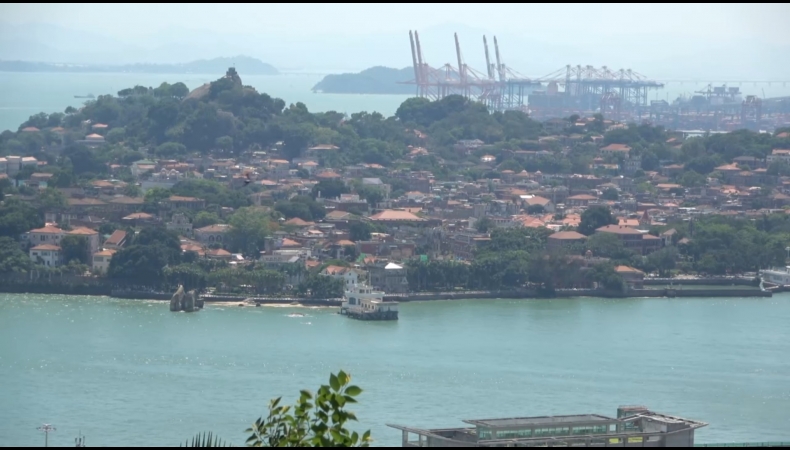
[617,94]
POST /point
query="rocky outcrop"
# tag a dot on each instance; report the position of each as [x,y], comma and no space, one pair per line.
[177,299]
[185,301]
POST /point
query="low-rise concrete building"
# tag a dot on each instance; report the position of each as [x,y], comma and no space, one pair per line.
[564,239]
[212,234]
[633,239]
[116,241]
[47,255]
[634,278]
[180,224]
[92,238]
[50,234]
[390,278]
[101,260]
[580,200]
[348,275]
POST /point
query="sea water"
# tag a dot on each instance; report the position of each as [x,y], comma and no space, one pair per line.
[131,373]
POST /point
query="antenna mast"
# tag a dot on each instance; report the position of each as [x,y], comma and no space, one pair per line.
[46,428]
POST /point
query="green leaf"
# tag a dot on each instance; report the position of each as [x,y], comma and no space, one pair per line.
[343,378]
[353,391]
[334,382]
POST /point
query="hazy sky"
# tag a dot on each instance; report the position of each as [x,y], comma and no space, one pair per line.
[721,21]
[745,41]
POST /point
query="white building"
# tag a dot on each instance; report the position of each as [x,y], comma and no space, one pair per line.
[140,167]
[180,224]
[28,161]
[48,235]
[779,154]
[13,165]
[164,179]
[284,256]
[47,255]
[92,238]
[101,260]
[348,275]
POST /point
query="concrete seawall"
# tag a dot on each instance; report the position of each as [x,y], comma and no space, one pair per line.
[574,293]
[735,281]
[416,297]
[735,292]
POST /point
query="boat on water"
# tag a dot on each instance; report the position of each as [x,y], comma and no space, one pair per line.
[85,96]
[779,276]
[362,302]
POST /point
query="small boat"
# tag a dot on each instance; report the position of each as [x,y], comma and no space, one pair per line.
[85,96]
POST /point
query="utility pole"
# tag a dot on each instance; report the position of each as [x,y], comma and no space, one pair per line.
[46,428]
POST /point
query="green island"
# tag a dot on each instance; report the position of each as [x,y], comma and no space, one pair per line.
[375,80]
[228,190]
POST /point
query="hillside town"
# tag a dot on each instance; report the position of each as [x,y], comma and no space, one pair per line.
[463,200]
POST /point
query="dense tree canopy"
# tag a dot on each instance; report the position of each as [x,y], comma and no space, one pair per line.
[595,217]
[18,217]
[144,261]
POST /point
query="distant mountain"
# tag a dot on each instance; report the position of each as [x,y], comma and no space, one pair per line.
[376,80]
[243,64]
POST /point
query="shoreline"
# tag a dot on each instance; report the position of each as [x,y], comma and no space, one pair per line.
[430,297]
[652,288]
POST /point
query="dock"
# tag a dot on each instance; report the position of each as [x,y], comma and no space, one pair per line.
[370,315]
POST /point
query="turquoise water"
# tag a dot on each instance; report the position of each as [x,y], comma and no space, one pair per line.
[25,94]
[132,373]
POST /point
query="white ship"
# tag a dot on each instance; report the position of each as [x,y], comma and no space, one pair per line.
[779,276]
[362,302]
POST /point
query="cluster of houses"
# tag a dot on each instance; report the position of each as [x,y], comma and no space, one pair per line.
[433,219]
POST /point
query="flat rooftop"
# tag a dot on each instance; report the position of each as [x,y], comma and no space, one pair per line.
[535,421]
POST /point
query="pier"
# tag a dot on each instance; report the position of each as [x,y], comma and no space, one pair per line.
[370,315]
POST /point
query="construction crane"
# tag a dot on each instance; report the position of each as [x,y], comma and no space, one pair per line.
[489,68]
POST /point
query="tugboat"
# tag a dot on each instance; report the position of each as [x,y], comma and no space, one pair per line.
[363,303]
